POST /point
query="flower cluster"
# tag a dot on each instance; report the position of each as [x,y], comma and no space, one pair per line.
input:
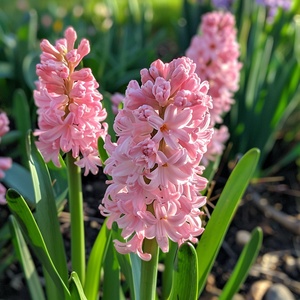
[216,51]
[273,6]
[5,162]
[69,108]
[163,131]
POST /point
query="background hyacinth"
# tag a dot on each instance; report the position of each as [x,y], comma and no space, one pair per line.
[5,162]
[69,108]
[274,5]
[215,51]
[163,131]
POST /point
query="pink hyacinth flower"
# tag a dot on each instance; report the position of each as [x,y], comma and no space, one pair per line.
[163,131]
[70,113]
[215,51]
[5,162]
[4,124]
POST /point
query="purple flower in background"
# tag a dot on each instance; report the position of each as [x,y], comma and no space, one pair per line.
[222,3]
[273,6]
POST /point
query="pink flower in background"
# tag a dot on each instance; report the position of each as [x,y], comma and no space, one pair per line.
[5,162]
[116,100]
[163,131]
[69,105]
[215,51]
[4,124]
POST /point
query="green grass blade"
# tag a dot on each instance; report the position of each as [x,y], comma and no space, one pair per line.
[46,212]
[92,281]
[76,289]
[185,281]
[25,259]
[223,213]
[32,234]
[243,265]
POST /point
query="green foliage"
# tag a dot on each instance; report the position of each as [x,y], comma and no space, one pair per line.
[32,234]
[213,236]
[243,265]
[269,85]
[185,282]
[26,261]
[95,261]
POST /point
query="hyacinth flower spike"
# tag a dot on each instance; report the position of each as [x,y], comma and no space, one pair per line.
[163,131]
[70,120]
[215,51]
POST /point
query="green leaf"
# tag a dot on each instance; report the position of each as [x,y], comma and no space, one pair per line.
[75,287]
[29,64]
[60,185]
[111,280]
[22,121]
[217,226]
[18,178]
[25,259]
[46,212]
[102,152]
[185,281]
[130,267]
[167,276]
[243,265]
[32,234]
[6,70]
[93,272]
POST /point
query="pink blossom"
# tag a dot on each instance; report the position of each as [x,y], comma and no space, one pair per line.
[4,124]
[163,131]
[215,51]
[2,194]
[5,162]
[69,105]
[116,100]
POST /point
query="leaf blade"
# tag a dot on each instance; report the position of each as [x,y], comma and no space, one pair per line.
[222,215]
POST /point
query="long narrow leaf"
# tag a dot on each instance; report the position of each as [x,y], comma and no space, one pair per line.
[130,267]
[111,281]
[32,234]
[18,178]
[185,281]
[223,213]
[25,259]
[92,281]
[46,212]
[76,289]
[243,265]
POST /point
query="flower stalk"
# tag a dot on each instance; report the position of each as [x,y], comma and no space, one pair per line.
[77,223]
[149,270]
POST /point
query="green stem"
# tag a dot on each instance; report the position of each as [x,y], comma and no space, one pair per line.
[149,271]
[76,212]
